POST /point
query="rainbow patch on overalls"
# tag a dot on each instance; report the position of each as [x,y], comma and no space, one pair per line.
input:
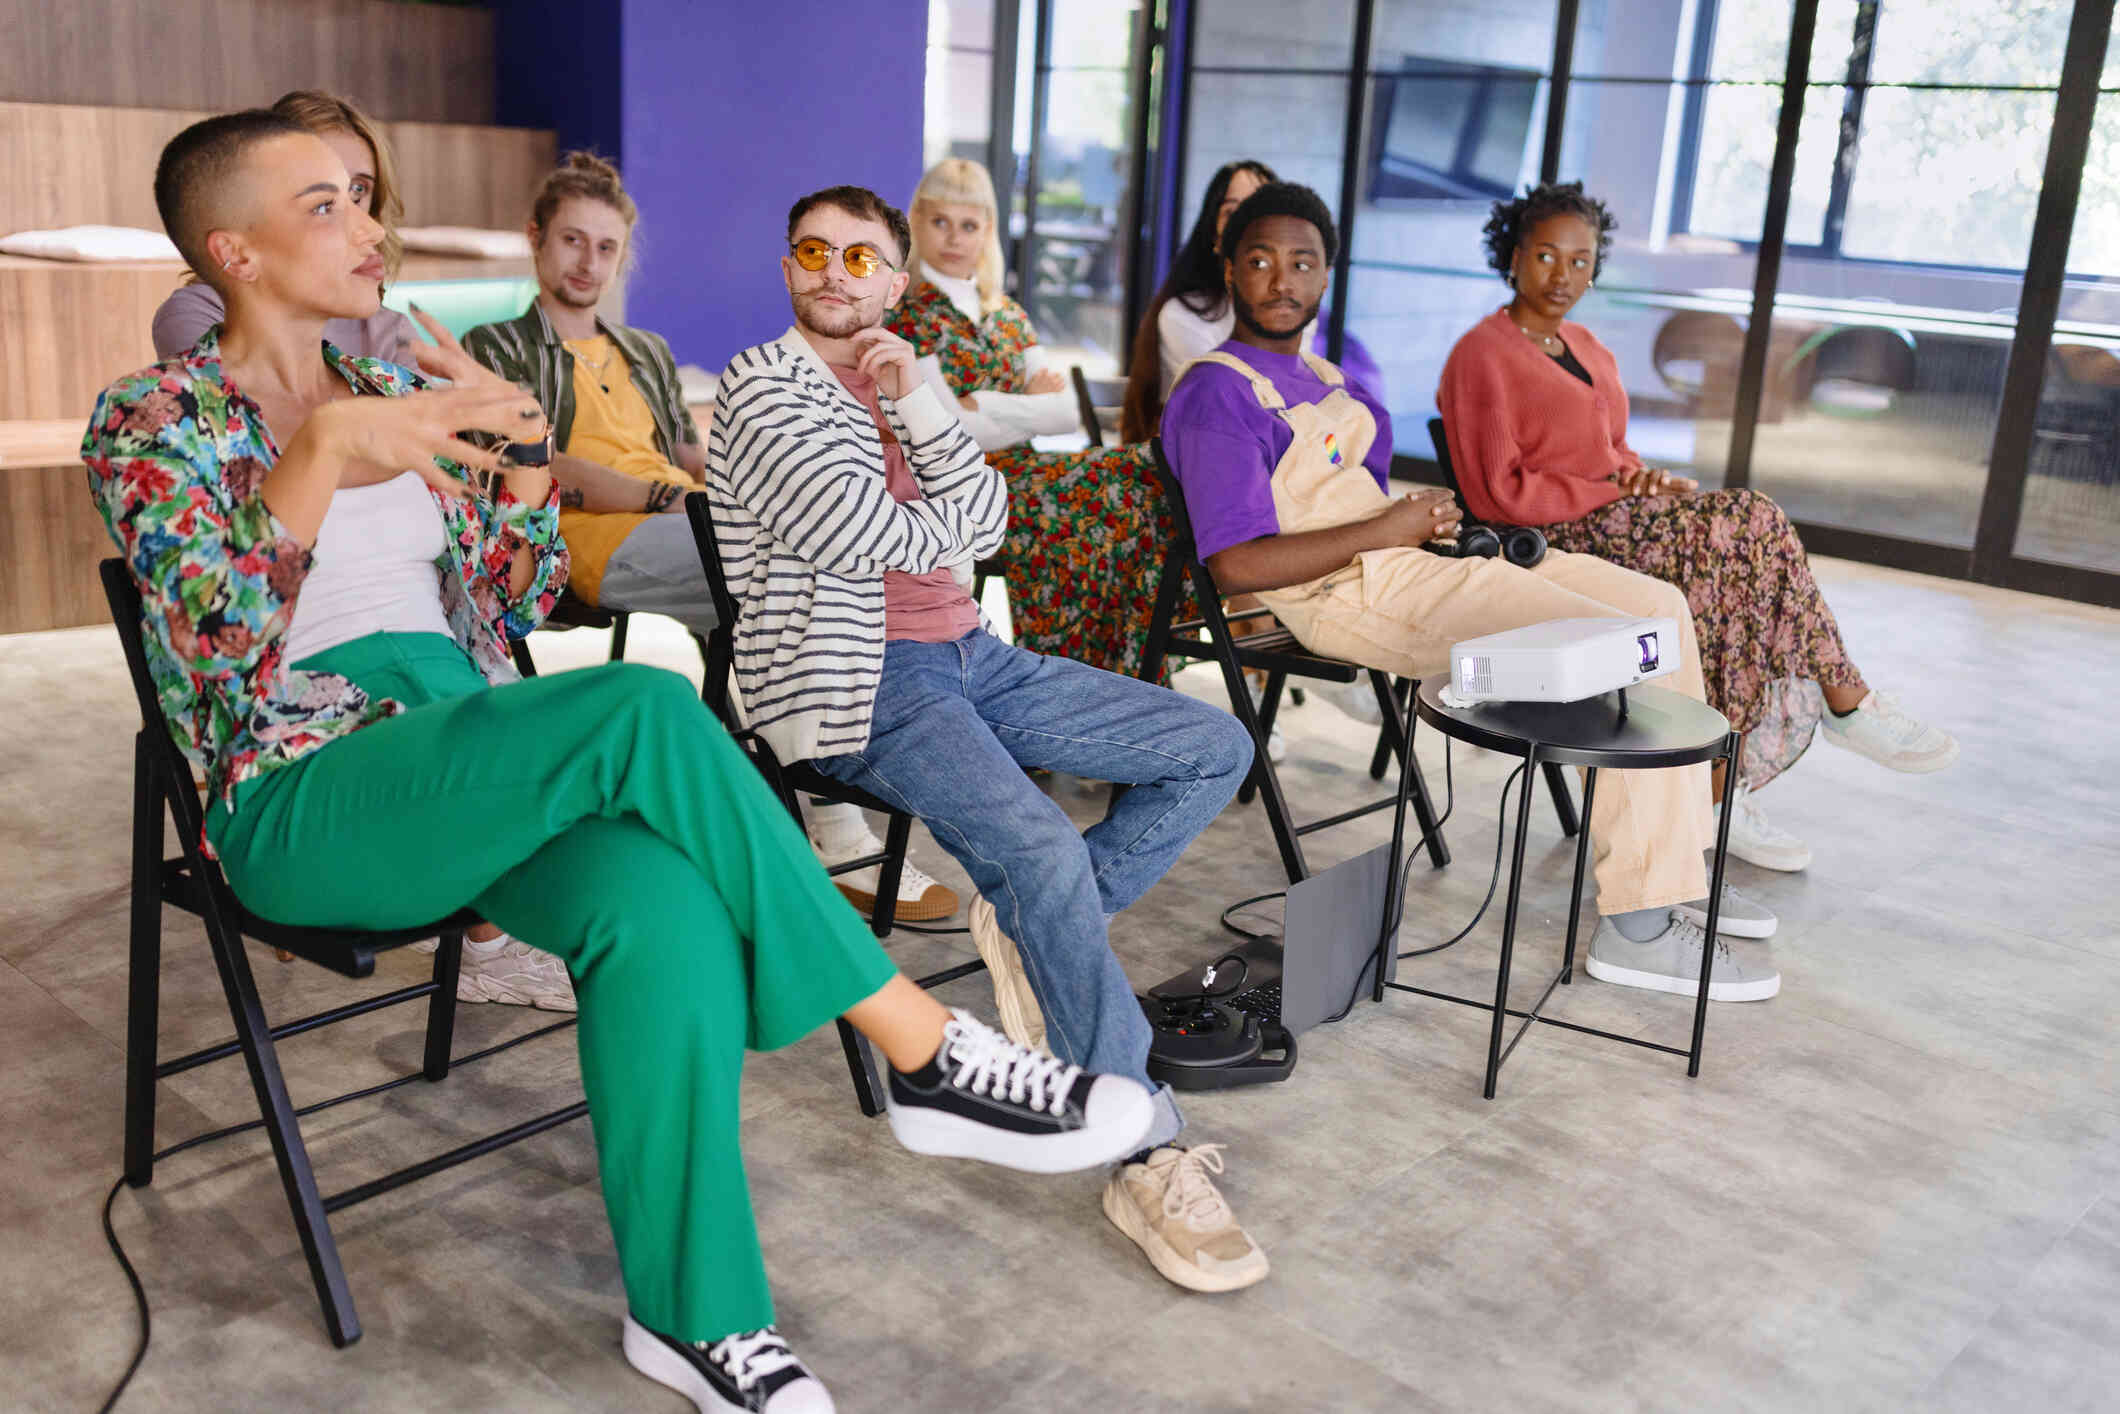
[1332,450]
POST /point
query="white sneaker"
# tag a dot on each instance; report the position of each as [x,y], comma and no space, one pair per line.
[1022,1020]
[514,974]
[920,898]
[1757,840]
[1357,699]
[1881,730]
[1276,745]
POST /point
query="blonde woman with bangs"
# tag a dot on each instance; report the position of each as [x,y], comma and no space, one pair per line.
[356,140]
[1085,528]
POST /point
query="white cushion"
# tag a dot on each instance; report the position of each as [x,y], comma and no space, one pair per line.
[91,243]
[466,240]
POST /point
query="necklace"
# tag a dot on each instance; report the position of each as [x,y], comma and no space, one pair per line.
[596,370]
[1549,344]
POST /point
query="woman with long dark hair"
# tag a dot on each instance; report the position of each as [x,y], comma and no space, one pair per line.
[1190,313]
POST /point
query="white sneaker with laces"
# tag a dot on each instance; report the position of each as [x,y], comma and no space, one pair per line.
[1757,840]
[921,899]
[514,974]
[1881,729]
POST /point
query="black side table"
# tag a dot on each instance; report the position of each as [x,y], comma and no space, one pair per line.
[1637,729]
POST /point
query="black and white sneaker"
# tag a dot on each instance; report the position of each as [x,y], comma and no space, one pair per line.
[753,1372]
[985,1097]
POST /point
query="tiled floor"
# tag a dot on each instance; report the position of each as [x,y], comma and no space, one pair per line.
[1894,1187]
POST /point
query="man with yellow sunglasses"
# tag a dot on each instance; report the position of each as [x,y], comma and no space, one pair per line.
[849,506]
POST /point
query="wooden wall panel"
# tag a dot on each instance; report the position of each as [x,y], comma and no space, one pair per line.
[397,61]
[68,330]
[50,541]
[72,165]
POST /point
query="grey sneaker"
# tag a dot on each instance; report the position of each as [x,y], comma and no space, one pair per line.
[1881,730]
[1670,962]
[1742,916]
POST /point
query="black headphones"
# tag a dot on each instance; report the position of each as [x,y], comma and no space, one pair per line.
[1520,545]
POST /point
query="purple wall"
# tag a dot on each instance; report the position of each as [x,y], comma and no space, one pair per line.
[720,113]
[731,112]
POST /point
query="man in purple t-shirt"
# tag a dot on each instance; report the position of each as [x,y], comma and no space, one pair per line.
[1349,578]
[849,505]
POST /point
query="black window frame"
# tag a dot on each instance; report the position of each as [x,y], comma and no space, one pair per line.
[1845,171]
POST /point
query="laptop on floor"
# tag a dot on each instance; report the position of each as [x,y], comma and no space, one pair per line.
[1324,956]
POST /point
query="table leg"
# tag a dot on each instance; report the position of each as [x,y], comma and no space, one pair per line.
[1732,747]
[1516,880]
[1582,857]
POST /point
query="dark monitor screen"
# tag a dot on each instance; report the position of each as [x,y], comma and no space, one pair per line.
[1450,131]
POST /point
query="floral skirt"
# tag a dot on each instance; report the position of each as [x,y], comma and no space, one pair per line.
[1767,640]
[1087,532]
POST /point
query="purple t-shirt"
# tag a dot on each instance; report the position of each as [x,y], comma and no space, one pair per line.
[1223,446]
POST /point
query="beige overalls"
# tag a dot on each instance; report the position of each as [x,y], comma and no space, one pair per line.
[1401,609]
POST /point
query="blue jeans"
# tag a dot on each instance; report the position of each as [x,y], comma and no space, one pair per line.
[953,728]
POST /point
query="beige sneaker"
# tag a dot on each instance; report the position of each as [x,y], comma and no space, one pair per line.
[1173,1212]
[1021,1019]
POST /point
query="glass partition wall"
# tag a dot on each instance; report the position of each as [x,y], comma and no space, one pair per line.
[1880,282]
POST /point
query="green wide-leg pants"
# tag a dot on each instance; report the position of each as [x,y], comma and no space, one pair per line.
[604,816]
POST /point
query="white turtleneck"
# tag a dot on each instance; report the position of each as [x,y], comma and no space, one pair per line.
[998,419]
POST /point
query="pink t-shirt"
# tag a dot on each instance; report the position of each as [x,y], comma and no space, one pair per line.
[927,608]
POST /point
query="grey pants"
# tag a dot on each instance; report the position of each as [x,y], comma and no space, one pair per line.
[656,570]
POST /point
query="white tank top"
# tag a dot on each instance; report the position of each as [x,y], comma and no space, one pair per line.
[374,569]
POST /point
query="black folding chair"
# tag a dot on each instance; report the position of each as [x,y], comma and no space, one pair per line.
[162,781]
[791,780]
[1092,397]
[1276,653]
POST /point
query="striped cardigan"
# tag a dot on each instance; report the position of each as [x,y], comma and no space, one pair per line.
[806,529]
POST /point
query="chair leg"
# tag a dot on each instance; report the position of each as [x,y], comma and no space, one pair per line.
[1563,799]
[519,649]
[1263,780]
[1395,737]
[441,1007]
[144,976]
[619,624]
[277,1110]
[896,836]
[861,1064]
[1269,708]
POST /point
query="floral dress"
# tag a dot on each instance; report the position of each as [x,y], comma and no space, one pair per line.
[1087,529]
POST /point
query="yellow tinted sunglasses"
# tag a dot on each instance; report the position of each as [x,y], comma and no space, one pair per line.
[860,259]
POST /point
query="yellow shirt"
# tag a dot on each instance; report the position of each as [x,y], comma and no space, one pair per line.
[612,427]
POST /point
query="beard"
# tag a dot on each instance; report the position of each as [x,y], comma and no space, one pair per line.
[1247,317]
[572,300]
[833,321]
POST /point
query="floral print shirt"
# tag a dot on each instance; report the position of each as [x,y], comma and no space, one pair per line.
[975,357]
[177,458]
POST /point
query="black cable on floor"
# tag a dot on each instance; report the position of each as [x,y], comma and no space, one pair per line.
[117,1248]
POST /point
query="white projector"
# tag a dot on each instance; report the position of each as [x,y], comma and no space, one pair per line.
[1562,660]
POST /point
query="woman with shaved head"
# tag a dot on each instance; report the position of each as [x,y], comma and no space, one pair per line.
[329,572]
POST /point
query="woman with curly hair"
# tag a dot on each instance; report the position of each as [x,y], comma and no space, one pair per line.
[1087,528]
[1536,419]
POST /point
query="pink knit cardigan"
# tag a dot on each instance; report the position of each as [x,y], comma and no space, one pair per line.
[1531,444]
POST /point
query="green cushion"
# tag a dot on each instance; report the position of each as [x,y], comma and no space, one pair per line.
[463,305]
